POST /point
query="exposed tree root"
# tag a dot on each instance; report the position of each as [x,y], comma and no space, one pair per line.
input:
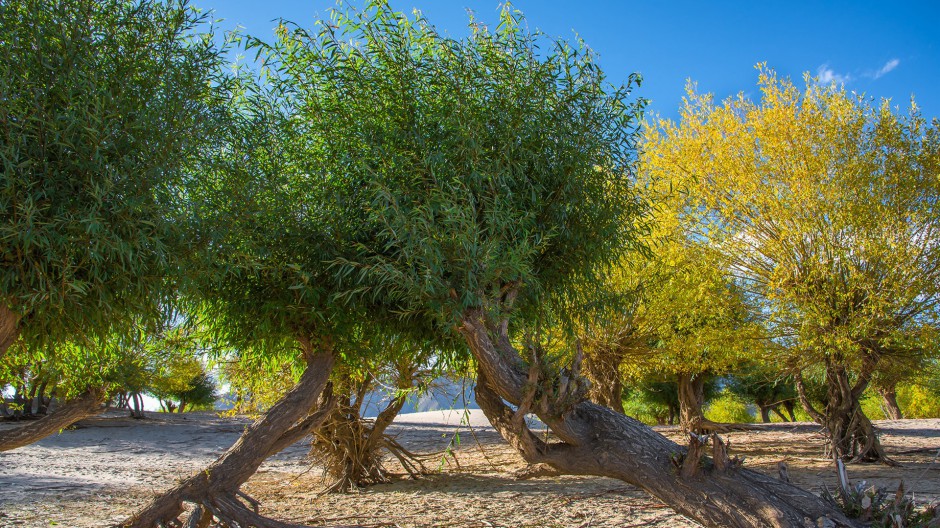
[215,490]
[352,448]
[89,403]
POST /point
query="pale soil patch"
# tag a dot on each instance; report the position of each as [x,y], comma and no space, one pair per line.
[103,470]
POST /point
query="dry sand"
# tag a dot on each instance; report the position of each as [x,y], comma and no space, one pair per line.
[99,472]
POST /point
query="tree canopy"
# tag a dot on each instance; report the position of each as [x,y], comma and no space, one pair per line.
[104,104]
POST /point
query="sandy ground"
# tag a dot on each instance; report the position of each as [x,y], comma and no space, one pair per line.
[102,470]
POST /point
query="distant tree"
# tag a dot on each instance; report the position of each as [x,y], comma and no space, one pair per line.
[201,394]
[180,381]
[684,318]
[767,388]
[659,397]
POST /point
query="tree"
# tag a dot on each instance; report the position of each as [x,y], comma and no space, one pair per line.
[767,389]
[680,314]
[186,384]
[350,447]
[104,103]
[395,177]
[496,182]
[267,221]
[700,327]
[825,205]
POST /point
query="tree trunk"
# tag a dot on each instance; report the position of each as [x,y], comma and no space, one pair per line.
[47,401]
[851,434]
[215,489]
[137,412]
[9,328]
[805,402]
[691,402]
[765,413]
[889,402]
[598,441]
[88,404]
[776,410]
[352,448]
[602,367]
[31,397]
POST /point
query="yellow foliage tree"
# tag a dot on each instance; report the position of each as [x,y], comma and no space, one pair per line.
[825,205]
[685,319]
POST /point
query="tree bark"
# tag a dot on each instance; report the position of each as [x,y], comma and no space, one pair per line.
[215,489]
[691,402]
[889,402]
[765,413]
[88,404]
[9,328]
[598,441]
[602,367]
[851,434]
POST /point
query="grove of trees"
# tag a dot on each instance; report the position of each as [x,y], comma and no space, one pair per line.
[372,200]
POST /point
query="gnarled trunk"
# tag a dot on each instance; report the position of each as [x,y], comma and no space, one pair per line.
[215,489]
[602,367]
[87,404]
[889,403]
[691,402]
[851,435]
[598,441]
[9,328]
[351,447]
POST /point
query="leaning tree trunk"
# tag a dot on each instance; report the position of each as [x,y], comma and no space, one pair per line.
[215,489]
[89,403]
[889,402]
[9,328]
[598,441]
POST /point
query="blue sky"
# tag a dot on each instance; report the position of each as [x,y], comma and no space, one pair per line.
[881,49]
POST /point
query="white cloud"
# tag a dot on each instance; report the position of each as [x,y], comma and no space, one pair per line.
[890,65]
[827,75]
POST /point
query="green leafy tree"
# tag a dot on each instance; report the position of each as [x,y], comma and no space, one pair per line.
[496,181]
[767,388]
[404,178]
[269,220]
[104,103]
[180,380]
